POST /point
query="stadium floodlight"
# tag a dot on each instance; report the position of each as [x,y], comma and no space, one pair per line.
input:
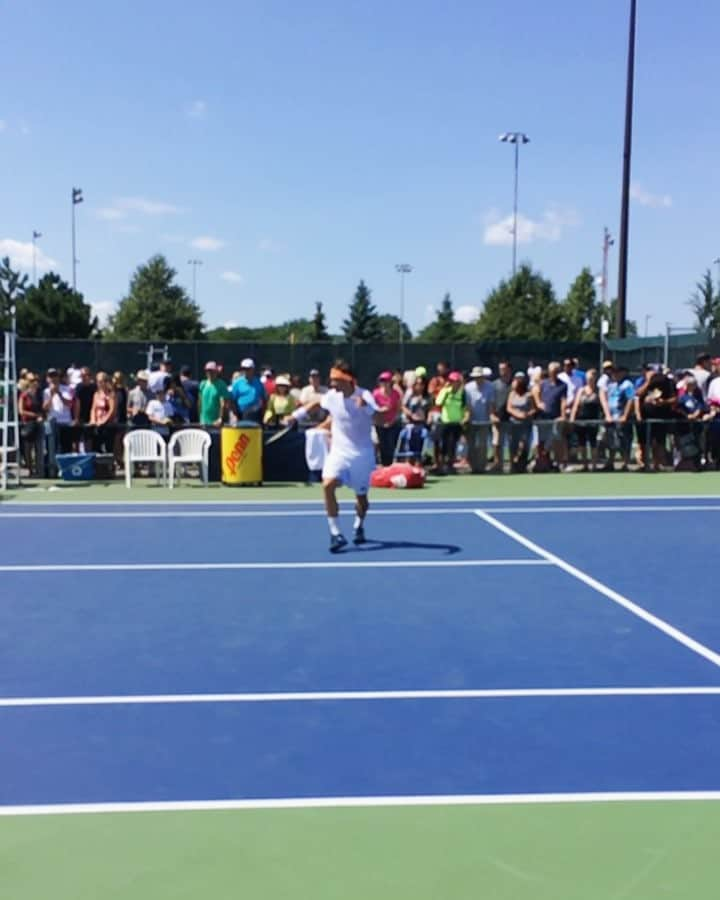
[517,138]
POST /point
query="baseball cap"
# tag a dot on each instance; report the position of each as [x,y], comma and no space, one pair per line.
[715,360]
[385,376]
[487,371]
[454,376]
[247,363]
[52,372]
[185,370]
[211,366]
[421,371]
[477,372]
[314,371]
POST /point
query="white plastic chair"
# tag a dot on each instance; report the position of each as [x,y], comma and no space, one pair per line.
[191,445]
[144,446]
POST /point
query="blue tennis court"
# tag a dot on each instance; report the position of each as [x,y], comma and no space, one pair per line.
[198,654]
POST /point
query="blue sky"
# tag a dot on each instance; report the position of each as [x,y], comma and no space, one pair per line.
[295,148]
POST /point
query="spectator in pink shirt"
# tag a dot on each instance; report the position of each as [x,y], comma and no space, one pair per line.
[389,402]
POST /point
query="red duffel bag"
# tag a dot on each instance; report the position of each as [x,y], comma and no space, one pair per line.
[399,475]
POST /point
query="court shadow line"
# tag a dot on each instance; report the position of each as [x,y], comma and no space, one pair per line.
[371,546]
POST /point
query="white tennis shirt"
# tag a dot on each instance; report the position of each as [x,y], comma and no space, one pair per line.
[351,424]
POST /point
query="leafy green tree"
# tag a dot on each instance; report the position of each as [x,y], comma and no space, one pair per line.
[608,311]
[156,308]
[53,310]
[578,308]
[705,303]
[363,322]
[390,329]
[12,290]
[319,325]
[444,329]
[522,308]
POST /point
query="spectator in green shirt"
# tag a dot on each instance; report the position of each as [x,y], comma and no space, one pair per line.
[451,401]
[213,396]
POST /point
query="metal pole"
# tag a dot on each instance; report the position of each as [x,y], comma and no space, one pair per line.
[717,263]
[621,312]
[647,320]
[666,349]
[194,263]
[35,236]
[607,244]
[515,206]
[403,269]
[74,257]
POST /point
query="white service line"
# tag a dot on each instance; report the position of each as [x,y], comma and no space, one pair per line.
[603,589]
[343,696]
[168,513]
[230,566]
[65,809]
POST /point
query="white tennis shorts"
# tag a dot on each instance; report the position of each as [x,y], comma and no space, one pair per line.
[352,471]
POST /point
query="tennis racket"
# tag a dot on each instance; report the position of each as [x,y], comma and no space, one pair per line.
[279,434]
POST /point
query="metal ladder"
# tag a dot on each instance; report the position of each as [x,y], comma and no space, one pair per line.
[9,424]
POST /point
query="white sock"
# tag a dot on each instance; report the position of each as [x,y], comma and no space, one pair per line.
[358,523]
[334,525]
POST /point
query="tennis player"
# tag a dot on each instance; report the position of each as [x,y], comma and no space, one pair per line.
[351,460]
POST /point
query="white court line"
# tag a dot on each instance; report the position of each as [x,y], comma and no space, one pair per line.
[205,566]
[74,809]
[290,513]
[603,589]
[342,696]
[410,497]
[221,514]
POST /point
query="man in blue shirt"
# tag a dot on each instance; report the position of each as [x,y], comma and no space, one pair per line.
[248,394]
[617,400]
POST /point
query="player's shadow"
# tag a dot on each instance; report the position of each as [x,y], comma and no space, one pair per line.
[372,546]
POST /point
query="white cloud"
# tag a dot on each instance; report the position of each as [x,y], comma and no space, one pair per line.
[231,323]
[467,314]
[196,109]
[233,277]
[268,245]
[205,242]
[499,231]
[124,206]
[103,309]
[645,198]
[21,255]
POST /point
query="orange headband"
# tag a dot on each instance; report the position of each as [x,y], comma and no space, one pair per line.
[339,375]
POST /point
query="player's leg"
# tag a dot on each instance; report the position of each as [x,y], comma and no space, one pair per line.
[362,505]
[330,486]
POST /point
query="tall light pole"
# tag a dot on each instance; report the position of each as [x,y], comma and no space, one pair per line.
[607,244]
[621,312]
[648,316]
[194,263]
[36,235]
[716,262]
[77,197]
[517,138]
[402,269]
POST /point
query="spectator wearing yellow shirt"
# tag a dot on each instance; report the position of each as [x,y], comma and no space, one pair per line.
[281,403]
[451,401]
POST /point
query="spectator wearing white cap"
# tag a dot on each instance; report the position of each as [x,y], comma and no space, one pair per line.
[281,403]
[480,407]
[311,396]
[138,399]
[248,394]
[213,396]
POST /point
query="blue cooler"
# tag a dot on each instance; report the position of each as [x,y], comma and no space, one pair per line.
[76,466]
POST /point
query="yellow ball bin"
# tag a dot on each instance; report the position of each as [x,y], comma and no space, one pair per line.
[241,454]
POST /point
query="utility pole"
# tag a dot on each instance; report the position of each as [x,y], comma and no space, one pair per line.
[402,269]
[607,244]
[621,313]
[516,138]
[194,263]
[35,236]
[77,197]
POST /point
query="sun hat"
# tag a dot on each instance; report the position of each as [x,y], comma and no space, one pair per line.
[247,363]
[477,372]
[282,381]
[142,375]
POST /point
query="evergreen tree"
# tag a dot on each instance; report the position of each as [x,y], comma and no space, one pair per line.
[362,323]
[705,303]
[578,308]
[12,290]
[522,308]
[319,325]
[390,329]
[444,329]
[156,308]
[52,309]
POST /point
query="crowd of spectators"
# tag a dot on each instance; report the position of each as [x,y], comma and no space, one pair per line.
[553,418]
